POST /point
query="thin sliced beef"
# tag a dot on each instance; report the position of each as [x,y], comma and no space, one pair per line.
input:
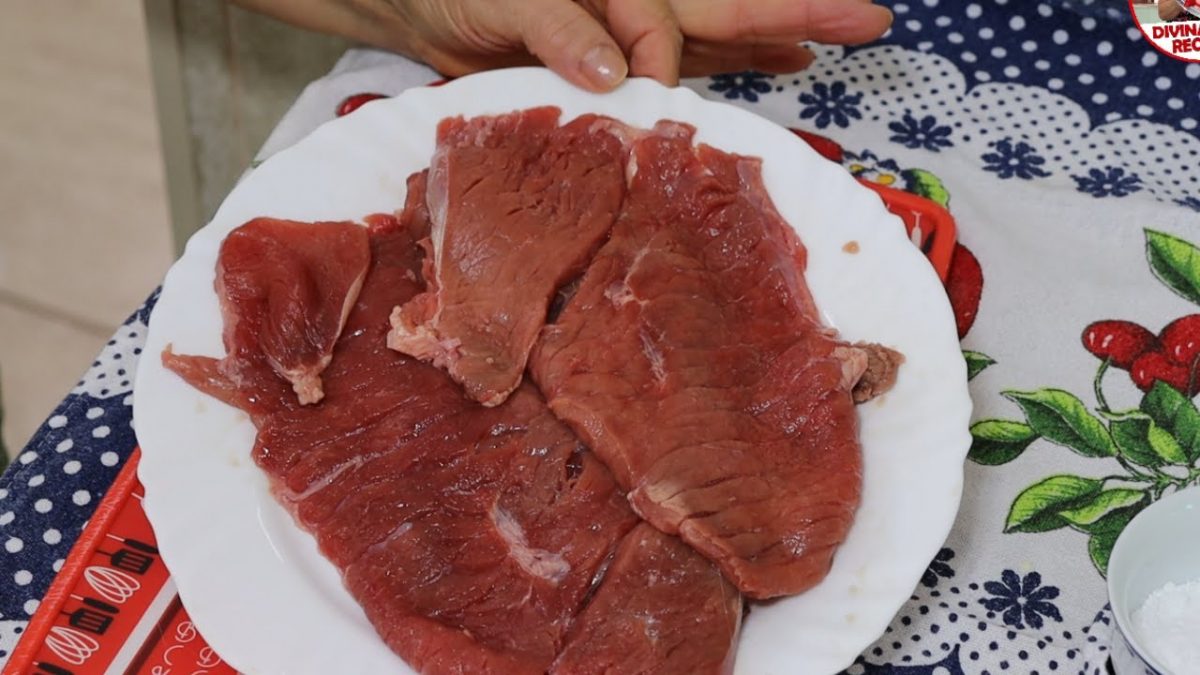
[473,545]
[285,289]
[471,537]
[519,205]
[692,361]
[662,610]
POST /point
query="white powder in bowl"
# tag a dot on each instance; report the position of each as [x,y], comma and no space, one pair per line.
[1168,624]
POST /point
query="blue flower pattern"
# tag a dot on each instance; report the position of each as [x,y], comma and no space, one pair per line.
[938,568]
[1019,160]
[1192,203]
[1021,601]
[867,161]
[831,103]
[920,133]
[1111,181]
[867,165]
[746,85]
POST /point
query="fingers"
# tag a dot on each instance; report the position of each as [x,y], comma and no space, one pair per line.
[782,21]
[646,37]
[705,58]
[571,43]
[648,31]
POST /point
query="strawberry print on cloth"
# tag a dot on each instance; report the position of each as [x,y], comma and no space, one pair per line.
[1006,113]
[1155,441]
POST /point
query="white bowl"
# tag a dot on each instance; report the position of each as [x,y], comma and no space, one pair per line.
[1160,545]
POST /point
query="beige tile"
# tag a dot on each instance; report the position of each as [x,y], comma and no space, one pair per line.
[84,235]
[85,222]
[207,75]
[241,73]
[273,62]
[41,360]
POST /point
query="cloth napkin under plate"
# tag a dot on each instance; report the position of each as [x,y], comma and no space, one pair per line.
[1074,196]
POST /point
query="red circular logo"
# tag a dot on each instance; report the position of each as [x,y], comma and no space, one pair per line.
[1172,26]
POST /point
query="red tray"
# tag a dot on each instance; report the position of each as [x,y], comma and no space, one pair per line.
[930,226]
[113,608]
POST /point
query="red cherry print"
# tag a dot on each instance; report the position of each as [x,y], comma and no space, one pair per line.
[355,102]
[1181,339]
[1122,342]
[1155,365]
[826,147]
[964,285]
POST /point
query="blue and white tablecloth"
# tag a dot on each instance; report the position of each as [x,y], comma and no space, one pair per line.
[1066,148]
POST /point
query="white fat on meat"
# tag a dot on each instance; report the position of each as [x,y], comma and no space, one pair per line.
[854,364]
[306,380]
[620,294]
[421,341]
[437,198]
[654,357]
[535,561]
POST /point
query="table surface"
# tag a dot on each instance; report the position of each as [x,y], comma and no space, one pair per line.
[1066,149]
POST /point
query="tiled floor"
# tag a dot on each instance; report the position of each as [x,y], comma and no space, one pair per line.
[83,216]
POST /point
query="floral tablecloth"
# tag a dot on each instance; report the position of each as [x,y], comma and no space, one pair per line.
[1066,148]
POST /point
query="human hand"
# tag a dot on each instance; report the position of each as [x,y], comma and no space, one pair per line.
[595,43]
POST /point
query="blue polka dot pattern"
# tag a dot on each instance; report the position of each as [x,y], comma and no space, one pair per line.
[968,637]
[55,483]
[1089,52]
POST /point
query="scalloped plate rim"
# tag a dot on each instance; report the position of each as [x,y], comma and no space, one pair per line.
[255,604]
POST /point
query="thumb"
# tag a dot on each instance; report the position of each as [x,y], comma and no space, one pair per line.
[572,43]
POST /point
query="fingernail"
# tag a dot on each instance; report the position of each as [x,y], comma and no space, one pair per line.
[604,66]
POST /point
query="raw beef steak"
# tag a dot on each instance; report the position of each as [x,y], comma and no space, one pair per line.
[285,290]
[519,205]
[692,361]
[662,610]
[472,537]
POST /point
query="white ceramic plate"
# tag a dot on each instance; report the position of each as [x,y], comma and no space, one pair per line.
[269,603]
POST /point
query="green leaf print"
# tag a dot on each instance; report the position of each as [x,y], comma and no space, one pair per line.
[1177,414]
[1156,445]
[1144,443]
[1166,446]
[1062,418]
[976,363]
[924,184]
[1105,533]
[995,442]
[1100,548]
[1175,262]
[1090,515]
[1037,508]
